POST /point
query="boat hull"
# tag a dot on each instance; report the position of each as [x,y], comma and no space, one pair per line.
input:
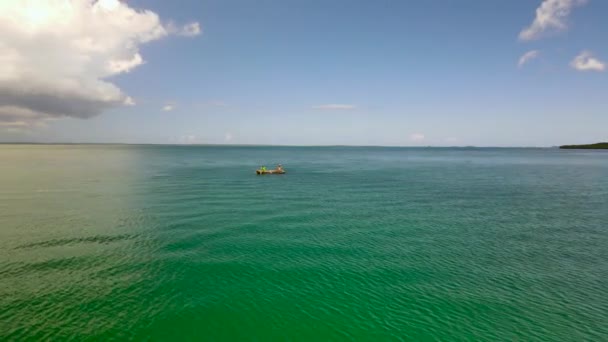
[269,172]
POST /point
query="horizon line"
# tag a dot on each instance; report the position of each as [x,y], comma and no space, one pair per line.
[267,145]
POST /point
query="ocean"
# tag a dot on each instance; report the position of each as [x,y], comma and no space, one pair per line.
[127,242]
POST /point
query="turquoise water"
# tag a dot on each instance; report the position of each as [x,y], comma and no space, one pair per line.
[187,243]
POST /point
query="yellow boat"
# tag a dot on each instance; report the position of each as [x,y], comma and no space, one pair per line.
[269,172]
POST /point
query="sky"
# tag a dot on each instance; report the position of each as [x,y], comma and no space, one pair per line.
[305,72]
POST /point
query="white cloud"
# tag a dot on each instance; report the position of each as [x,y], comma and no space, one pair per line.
[56,55]
[526,57]
[417,137]
[187,139]
[335,107]
[551,15]
[190,30]
[228,137]
[585,61]
[168,108]
[129,101]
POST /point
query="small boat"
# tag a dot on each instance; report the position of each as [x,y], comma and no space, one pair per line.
[269,172]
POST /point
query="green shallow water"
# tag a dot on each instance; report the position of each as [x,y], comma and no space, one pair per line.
[187,243]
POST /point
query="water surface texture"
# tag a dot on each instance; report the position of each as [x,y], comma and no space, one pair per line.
[187,243]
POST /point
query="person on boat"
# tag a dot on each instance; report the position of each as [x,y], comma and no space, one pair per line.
[263,169]
[279,168]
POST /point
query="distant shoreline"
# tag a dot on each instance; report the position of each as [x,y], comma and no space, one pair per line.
[263,145]
[597,146]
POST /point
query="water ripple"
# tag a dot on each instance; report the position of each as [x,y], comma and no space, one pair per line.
[161,243]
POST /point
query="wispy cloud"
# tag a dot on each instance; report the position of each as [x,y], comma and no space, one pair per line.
[188,30]
[451,140]
[551,15]
[191,30]
[228,137]
[187,139]
[527,57]
[417,137]
[129,101]
[335,106]
[585,61]
[168,107]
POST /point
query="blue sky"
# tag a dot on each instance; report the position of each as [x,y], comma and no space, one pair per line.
[405,73]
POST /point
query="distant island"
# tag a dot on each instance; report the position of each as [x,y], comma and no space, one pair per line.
[598,146]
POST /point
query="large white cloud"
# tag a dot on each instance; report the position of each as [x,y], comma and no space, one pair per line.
[56,56]
[550,16]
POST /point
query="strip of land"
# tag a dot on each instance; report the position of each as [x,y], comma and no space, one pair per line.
[598,146]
